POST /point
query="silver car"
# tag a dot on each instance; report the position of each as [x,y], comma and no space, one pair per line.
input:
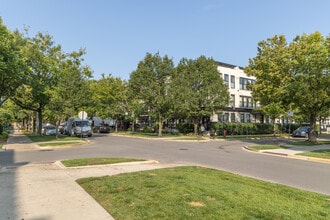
[49,130]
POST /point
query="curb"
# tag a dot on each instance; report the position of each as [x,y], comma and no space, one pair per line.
[315,159]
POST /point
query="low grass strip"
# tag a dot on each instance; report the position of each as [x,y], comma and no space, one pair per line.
[57,144]
[266,147]
[201,193]
[96,161]
[306,143]
[33,137]
[325,154]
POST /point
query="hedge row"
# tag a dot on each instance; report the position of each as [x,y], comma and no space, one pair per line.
[240,128]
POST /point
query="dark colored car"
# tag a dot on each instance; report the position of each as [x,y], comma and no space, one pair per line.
[301,131]
[104,128]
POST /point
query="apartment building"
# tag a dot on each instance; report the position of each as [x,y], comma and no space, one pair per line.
[242,107]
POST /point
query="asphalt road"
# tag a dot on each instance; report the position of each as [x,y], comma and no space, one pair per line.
[223,155]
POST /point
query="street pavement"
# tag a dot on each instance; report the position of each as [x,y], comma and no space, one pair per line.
[49,190]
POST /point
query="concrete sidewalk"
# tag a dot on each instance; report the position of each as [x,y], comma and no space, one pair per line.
[19,141]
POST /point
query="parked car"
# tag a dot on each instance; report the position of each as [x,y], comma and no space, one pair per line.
[301,131]
[104,128]
[49,130]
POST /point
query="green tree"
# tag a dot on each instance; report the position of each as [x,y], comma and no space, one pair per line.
[273,110]
[12,64]
[42,58]
[150,83]
[294,75]
[109,95]
[70,92]
[198,90]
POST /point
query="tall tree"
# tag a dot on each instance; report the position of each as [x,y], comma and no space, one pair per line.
[150,83]
[12,65]
[109,95]
[42,57]
[296,75]
[198,90]
[70,92]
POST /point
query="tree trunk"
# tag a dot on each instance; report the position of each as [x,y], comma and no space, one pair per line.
[196,125]
[116,126]
[312,135]
[133,125]
[160,126]
[39,122]
[274,126]
[57,125]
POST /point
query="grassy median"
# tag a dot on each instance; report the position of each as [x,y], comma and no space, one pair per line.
[324,154]
[201,193]
[96,161]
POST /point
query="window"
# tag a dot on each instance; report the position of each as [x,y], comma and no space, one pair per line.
[226,117]
[232,117]
[232,100]
[245,102]
[226,79]
[223,118]
[232,82]
[242,118]
[248,118]
[244,82]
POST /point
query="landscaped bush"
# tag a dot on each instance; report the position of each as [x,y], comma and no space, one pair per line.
[148,129]
[242,128]
[185,128]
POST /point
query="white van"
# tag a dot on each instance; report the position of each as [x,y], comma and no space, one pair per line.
[79,127]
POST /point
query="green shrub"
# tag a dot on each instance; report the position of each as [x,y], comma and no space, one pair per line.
[242,128]
[148,129]
[1,128]
[185,128]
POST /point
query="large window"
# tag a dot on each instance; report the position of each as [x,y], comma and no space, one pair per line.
[232,82]
[226,79]
[244,82]
[232,100]
[245,102]
[242,118]
[232,117]
[245,118]
[224,118]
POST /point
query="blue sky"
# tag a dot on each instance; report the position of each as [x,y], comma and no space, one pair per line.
[117,34]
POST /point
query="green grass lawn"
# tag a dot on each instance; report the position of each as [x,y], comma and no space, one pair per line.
[306,143]
[266,147]
[46,138]
[325,154]
[96,161]
[201,193]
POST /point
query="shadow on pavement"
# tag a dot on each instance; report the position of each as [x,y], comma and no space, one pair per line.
[9,206]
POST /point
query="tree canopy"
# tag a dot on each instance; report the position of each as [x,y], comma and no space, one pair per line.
[198,89]
[150,83]
[295,75]
[12,65]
